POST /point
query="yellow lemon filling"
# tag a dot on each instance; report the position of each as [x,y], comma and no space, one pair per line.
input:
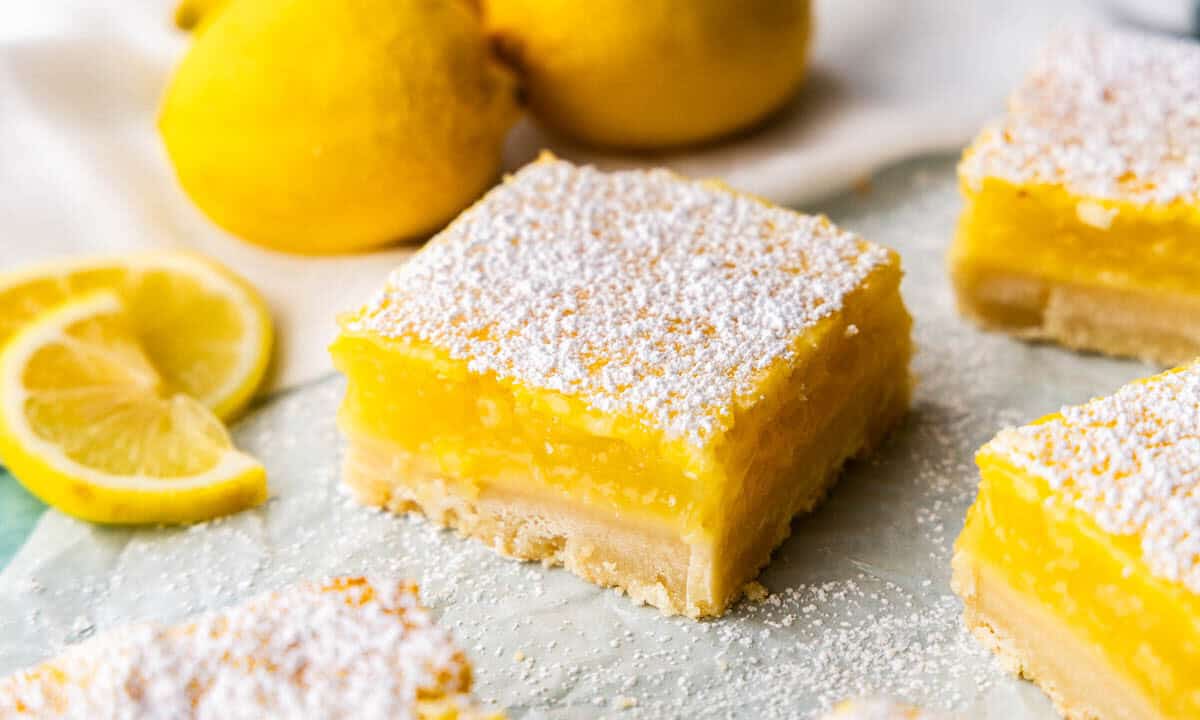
[478,432]
[1046,236]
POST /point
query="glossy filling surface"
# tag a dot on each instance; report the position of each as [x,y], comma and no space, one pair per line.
[1046,232]
[475,427]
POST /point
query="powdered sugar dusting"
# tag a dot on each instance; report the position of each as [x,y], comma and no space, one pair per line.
[1106,114]
[1132,462]
[351,648]
[637,291]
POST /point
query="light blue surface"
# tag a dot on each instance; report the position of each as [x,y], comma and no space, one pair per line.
[19,512]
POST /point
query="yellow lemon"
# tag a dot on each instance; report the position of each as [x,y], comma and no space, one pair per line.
[653,73]
[319,126]
[89,426]
[206,332]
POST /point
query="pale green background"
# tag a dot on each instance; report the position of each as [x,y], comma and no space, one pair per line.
[18,512]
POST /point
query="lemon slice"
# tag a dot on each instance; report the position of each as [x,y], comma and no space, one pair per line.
[89,426]
[206,331]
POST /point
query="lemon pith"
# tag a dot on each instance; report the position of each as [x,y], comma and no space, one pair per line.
[88,426]
[206,331]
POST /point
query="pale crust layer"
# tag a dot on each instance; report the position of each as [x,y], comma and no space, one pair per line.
[1154,327]
[528,526]
[1032,643]
[647,560]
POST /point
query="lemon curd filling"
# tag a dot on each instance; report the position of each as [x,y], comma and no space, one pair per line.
[473,427]
[655,398]
[1082,216]
[1008,231]
[1079,560]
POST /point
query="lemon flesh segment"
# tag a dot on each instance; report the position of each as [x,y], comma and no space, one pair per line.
[206,332]
[89,426]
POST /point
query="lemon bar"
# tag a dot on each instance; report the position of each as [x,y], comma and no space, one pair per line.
[637,376]
[347,648]
[1082,217]
[1080,560]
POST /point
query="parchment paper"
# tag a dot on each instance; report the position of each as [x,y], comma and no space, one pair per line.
[859,599]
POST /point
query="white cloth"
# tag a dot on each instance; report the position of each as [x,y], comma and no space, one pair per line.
[82,168]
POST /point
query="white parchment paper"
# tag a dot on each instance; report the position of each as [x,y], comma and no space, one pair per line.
[859,604]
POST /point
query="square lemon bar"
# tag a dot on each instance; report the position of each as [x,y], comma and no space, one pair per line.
[637,376]
[1082,218]
[346,648]
[1080,560]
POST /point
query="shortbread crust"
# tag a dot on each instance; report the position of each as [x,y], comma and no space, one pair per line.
[1033,644]
[1156,327]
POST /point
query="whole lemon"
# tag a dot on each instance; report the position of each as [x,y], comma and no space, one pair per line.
[653,73]
[319,126]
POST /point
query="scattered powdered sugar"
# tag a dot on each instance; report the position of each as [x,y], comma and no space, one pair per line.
[1132,461]
[1106,114]
[637,291]
[350,648]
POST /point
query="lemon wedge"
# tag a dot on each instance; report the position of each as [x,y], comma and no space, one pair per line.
[205,330]
[89,425]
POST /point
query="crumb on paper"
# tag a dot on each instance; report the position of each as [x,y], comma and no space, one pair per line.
[755,591]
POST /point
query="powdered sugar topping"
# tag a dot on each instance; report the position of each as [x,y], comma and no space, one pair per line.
[637,291]
[1105,114]
[349,649]
[1132,462]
